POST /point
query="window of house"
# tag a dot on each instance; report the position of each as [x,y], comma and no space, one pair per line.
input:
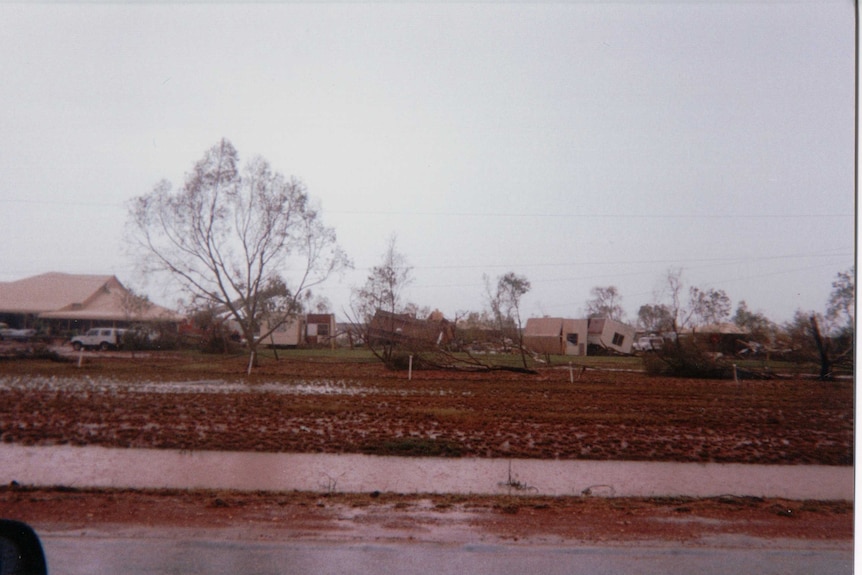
[618,339]
[572,338]
[323,329]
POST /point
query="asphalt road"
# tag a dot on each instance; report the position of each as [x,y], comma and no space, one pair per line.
[98,554]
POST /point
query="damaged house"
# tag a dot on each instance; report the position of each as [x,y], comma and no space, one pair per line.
[388,328]
[560,336]
[556,336]
[611,335]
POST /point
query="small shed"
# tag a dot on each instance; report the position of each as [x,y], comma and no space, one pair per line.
[288,334]
[556,335]
[611,335]
[320,329]
[717,337]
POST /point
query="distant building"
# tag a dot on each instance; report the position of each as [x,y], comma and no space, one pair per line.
[313,330]
[609,334]
[560,336]
[395,328]
[320,329]
[290,333]
[65,303]
[556,336]
[717,337]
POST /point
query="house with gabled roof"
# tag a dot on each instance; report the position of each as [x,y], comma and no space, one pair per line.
[76,302]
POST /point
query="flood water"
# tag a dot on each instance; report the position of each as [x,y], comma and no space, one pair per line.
[150,468]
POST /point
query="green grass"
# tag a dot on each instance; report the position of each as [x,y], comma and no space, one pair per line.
[362,355]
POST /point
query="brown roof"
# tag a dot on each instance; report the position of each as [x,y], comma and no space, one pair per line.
[49,292]
[719,328]
[73,296]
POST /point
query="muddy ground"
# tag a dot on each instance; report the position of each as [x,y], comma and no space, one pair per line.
[726,521]
[328,407]
[324,406]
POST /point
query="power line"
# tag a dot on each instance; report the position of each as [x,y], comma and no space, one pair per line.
[436,214]
[586,215]
[830,253]
[664,261]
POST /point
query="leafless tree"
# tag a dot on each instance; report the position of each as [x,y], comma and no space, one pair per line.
[249,241]
[382,293]
[841,308]
[505,303]
[384,287]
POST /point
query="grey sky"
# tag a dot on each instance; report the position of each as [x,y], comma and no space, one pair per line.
[579,144]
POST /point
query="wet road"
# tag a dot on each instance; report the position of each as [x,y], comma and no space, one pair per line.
[101,555]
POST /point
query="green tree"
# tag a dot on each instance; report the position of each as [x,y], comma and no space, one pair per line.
[758,325]
[606,302]
[709,306]
[655,318]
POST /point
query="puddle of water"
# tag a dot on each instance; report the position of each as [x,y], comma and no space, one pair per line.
[215,386]
[150,468]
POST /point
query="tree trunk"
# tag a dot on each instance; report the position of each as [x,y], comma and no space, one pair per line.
[823,350]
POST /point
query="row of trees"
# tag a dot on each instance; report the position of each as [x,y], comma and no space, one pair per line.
[249,241]
[673,311]
[827,338]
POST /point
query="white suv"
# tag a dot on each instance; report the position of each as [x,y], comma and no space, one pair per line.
[103,338]
[648,343]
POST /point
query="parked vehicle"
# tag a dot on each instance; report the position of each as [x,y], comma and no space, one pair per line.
[7,332]
[648,343]
[103,338]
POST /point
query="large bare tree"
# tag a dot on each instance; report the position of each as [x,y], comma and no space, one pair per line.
[247,240]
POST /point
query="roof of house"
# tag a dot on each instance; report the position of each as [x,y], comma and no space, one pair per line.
[597,325]
[48,292]
[75,296]
[550,326]
[543,326]
[719,328]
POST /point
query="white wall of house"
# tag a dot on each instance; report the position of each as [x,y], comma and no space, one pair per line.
[574,335]
[556,335]
[288,334]
[614,335]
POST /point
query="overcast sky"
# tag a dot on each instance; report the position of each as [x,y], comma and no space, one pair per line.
[580,144]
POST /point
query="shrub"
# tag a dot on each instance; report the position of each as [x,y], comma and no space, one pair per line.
[685,358]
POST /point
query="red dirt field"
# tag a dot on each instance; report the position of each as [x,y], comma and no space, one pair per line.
[727,521]
[332,407]
[362,407]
